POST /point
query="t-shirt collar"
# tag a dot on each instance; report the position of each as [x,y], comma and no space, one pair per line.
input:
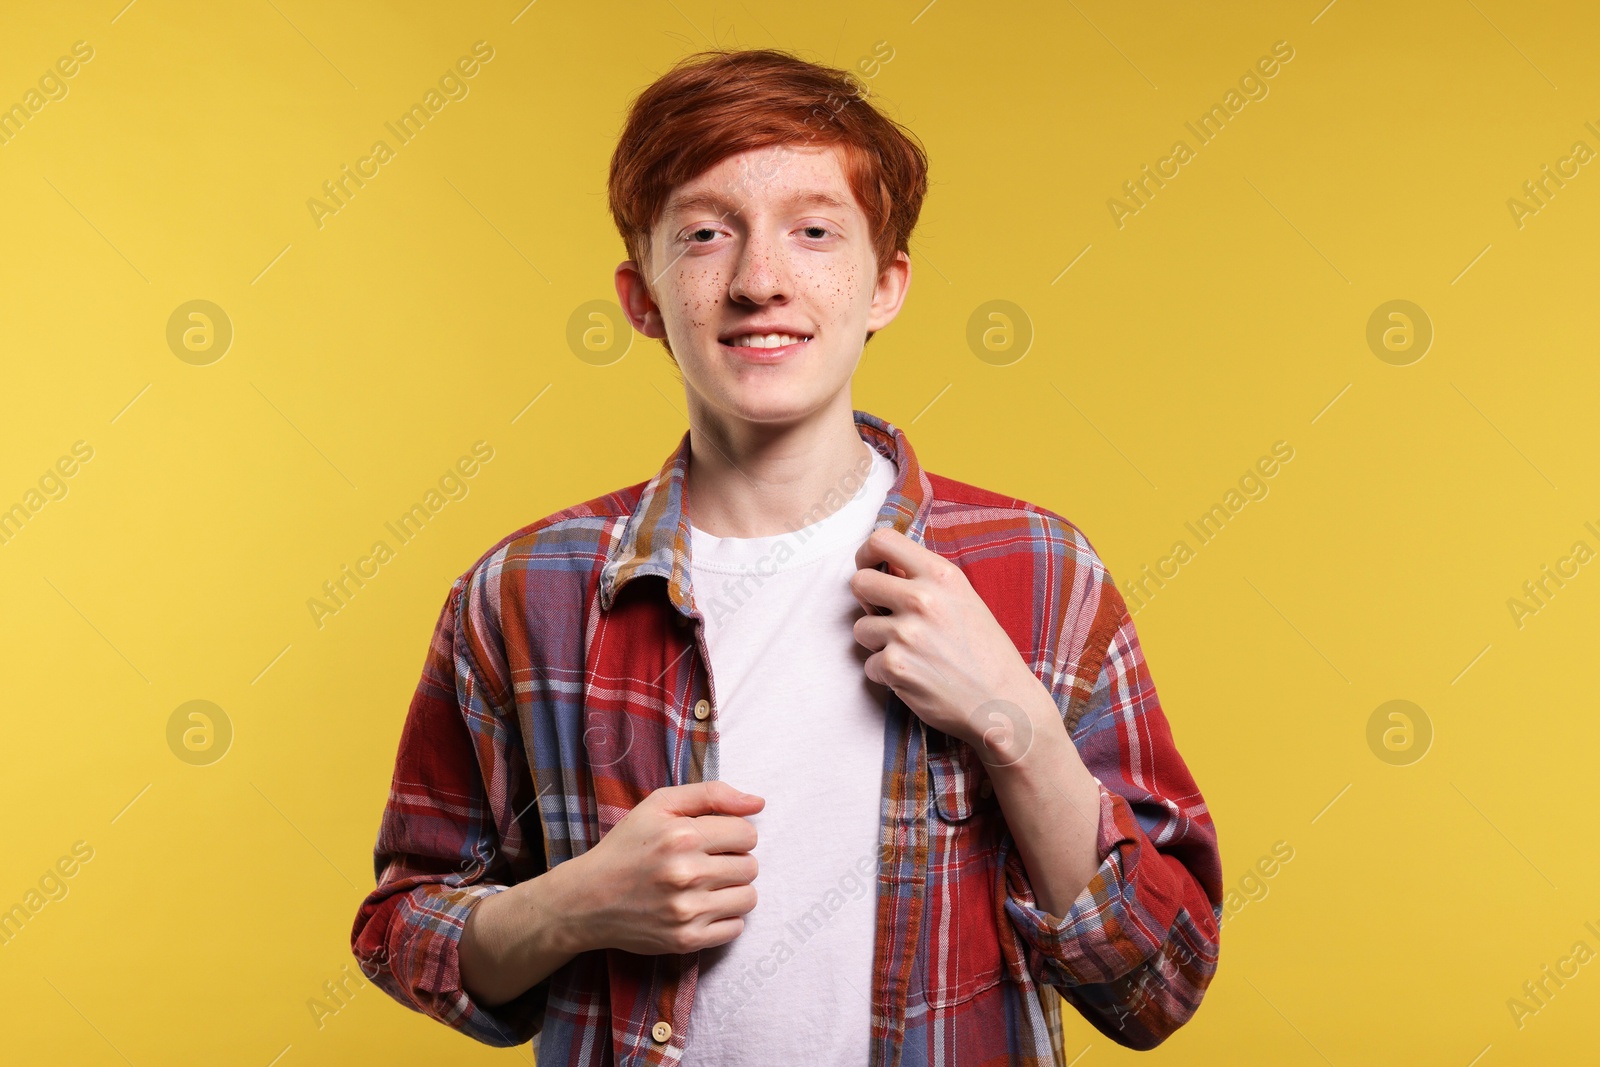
[655,539]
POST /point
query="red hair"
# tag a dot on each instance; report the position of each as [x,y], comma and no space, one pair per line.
[716,104]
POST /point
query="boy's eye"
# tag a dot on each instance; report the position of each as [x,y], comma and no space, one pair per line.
[822,231]
[696,233]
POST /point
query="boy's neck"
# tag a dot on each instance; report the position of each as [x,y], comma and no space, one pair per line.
[749,479]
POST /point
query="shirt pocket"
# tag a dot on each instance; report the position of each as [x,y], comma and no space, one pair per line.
[963,955]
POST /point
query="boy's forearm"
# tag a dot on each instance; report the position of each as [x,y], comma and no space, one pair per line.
[514,940]
[1051,804]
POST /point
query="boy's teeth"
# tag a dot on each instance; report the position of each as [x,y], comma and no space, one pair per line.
[769,340]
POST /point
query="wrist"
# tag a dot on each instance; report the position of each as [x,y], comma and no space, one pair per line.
[560,913]
[1012,724]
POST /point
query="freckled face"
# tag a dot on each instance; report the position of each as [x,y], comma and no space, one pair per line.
[769,237]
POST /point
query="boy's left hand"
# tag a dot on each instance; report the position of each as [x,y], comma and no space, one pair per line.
[942,651]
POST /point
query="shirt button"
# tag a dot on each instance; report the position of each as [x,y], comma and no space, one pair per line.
[702,708]
[986,789]
[661,1031]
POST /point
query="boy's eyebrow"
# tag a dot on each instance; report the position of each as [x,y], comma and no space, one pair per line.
[715,202]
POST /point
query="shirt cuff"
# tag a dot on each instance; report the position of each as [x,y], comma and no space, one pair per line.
[437,976]
[1080,947]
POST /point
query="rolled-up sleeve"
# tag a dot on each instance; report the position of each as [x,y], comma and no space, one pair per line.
[460,825]
[1136,950]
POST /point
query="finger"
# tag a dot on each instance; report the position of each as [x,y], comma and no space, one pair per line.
[881,590]
[708,797]
[873,669]
[873,631]
[729,869]
[722,931]
[725,833]
[866,605]
[729,902]
[888,545]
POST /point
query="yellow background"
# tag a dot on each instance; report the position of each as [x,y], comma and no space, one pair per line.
[1228,314]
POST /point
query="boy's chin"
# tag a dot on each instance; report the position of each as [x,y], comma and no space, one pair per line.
[774,401]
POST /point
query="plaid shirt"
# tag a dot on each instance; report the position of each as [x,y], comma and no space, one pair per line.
[560,689]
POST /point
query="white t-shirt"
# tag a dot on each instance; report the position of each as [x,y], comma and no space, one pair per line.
[799,724]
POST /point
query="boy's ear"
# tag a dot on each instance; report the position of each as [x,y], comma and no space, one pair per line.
[889,294]
[633,294]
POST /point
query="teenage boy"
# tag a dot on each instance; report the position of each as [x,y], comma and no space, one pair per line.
[920,705]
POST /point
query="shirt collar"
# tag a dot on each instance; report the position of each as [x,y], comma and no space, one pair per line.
[656,537]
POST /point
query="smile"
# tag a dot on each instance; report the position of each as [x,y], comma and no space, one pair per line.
[766,348]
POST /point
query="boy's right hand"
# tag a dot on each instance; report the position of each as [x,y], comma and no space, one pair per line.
[673,875]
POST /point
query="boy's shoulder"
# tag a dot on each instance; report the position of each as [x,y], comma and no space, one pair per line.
[964,512]
[573,535]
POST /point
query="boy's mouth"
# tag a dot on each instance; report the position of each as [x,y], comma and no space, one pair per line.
[765,340]
[765,347]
